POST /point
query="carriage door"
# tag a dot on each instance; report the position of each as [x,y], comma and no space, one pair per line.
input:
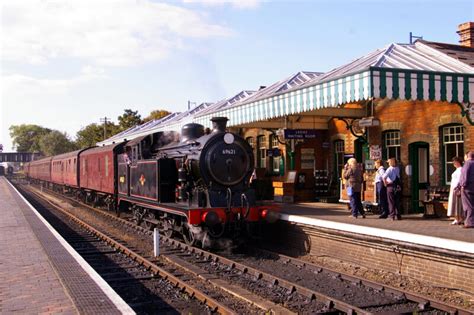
[420,169]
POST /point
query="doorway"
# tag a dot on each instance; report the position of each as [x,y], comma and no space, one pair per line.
[419,157]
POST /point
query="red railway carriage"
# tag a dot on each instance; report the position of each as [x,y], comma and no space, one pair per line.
[41,169]
[64,169]
[98,168]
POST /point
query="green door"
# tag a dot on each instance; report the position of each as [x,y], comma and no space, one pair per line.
[420,173]
[359,150]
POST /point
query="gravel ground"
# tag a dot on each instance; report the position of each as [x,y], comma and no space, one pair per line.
[451,296]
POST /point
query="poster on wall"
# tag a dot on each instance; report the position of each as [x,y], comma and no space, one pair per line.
[375,152]
[307,158]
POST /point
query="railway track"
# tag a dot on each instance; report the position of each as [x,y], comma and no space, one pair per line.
[129,266]
[298,285]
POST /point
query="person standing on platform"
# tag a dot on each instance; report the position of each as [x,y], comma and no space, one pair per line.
[353,175]
[454,201]
[466,184]
[392,181]
[381,190]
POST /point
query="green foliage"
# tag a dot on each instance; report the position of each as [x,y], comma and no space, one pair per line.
[34,138]
[56,142]
[156,114]
[129,119]
[26,138]
[93,133]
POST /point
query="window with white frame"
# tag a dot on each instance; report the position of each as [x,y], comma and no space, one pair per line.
[276,159]
[391,145]
[339,156]
[453,145]
[262,151]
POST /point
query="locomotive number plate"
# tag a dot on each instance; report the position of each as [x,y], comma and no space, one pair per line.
[228,152]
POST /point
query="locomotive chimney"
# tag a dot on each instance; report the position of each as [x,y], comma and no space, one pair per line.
[219,124]
[191,131]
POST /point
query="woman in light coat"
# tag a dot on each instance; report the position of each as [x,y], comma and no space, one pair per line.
[454,201]
[353,175]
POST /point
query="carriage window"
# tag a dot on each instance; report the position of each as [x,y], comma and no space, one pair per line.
[106,166]
[134,154]
[84,166]
[453,145]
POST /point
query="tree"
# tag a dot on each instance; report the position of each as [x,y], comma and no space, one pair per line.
[129,119]
[26,138]
[93,133]
[156,114]
[56,142]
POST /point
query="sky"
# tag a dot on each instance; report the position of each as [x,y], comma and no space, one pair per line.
[67,63]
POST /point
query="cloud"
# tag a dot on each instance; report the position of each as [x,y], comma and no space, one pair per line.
[17,84]
[104,33]
[239,4]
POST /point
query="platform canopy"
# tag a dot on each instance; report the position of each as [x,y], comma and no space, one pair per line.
[421,71]
[399,71]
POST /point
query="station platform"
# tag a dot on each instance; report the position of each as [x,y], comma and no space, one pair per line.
[39,272]
[413,228]
[431,250]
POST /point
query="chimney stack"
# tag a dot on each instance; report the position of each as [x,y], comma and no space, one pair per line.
[466,34]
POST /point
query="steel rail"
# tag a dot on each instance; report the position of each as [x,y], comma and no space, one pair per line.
[187,288]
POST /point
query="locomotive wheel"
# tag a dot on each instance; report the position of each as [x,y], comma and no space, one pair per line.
[216,231]
[188,235]
[137,215]
[148,225]
[168,230]
[111,206]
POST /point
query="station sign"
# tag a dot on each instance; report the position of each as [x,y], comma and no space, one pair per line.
[300,133]
[369,122]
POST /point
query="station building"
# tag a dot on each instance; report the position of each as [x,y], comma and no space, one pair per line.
[413,102]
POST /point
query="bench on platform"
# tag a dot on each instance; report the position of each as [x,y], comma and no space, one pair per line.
[434,205]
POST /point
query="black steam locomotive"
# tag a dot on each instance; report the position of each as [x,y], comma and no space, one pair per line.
[196,186]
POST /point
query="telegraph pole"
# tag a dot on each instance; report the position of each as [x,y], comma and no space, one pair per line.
[105,120]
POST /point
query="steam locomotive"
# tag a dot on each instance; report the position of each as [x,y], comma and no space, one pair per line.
[195,184]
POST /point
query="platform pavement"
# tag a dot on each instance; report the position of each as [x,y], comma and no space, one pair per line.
[412,228]
[39,273]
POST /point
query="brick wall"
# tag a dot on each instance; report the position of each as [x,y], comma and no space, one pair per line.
[418,121]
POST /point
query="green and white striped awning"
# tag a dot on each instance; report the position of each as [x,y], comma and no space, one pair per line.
[422,85]
[378,83]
